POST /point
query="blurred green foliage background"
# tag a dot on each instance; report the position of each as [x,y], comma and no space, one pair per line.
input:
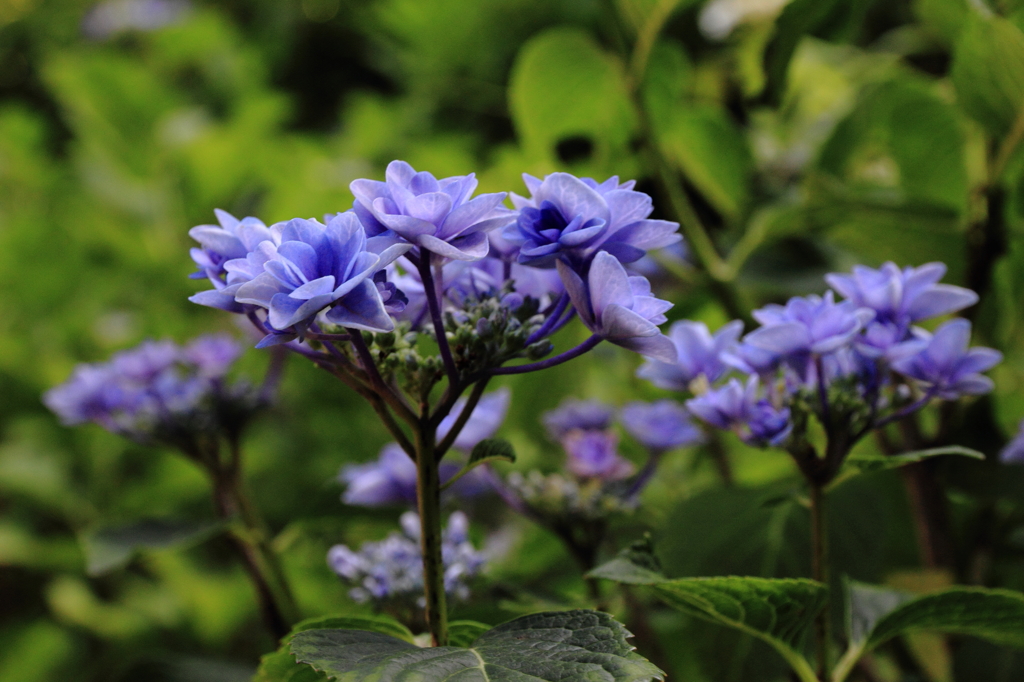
[808,136]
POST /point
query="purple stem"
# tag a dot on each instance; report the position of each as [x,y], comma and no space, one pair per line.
[564,321]
[550,362]
[434,305]
[552,320]
[909,409]
[641,479]
[320,336]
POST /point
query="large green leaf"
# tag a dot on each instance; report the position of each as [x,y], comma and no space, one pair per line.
[563,85]
[111,547]
[876,615]
[280,665]
[562,645]
[777,611]
[866,464]
[988,71]
[712,153]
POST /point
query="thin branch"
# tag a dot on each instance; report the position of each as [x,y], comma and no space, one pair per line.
[460,421]
[550,362]
[549,324]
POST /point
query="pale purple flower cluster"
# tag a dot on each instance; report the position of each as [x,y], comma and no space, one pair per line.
[862,353]
[391,479]
[1013,452]
[392,569]
[365,268]
[157,391]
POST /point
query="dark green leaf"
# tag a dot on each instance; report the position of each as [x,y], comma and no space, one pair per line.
[111,547]
[464,632]
[777,611]
[994,615]
[280,665]
[563,645]
[491,449]
[635,565]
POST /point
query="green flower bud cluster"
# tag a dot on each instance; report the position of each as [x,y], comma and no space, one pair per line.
[560,498]
[487,333]
[398,355]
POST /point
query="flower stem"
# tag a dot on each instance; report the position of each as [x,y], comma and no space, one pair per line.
[550,362]
[428,496]
[430,290]
[820,573]
[251,541]
[549,324]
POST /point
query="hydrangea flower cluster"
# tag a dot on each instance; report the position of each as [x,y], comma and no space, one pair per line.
[856,364]
[392,570]
[391,479]
[413,241]
[600,481]
[159,392]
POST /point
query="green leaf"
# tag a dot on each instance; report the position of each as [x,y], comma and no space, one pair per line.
[563,85]
[487,450]
[712,153]
[988,71]
[867,464]
[635,565]
[111,547]
[491,449]
[280,665]
[776,611]
[877,615]
[464,632]
[562,645]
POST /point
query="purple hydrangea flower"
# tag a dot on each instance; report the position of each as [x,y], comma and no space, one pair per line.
[317,267]
[571,219]
[155,391]
[391,479]
[1013,453]
[807,325]
[594,454]
[392,569]
[947,365]
[485,421]
[436,215]
[107,19]
[699,353]
[738,407]
[902,296]
[218,244]
[572,414]
[661,425]
[619,308]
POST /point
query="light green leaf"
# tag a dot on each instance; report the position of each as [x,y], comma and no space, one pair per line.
[712,153]
[561,645]
[280,665]
[563,85]
[776,611]
[988,71]
[464,632]
[878,615]
[111,547]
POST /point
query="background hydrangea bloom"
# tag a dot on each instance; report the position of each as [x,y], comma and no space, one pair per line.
[902,296]
[738,407]
[620,308]
[594,454]
[156,391]
[661,425]
[436,215]
[947,365]
[393,568]
[585,415]
[698,353]
[572,218]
